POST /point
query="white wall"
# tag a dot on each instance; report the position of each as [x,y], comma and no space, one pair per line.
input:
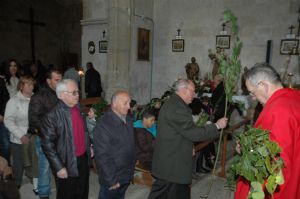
[93,24]
[140,71]
[258,20]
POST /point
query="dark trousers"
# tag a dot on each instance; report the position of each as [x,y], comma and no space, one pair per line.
[119,193]
[17,162]
[75,187]
[162,189]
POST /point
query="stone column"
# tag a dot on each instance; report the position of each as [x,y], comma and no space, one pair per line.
[119,38]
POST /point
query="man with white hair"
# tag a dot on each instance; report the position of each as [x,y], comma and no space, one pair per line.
[280,116]
[173,150]
[66,143]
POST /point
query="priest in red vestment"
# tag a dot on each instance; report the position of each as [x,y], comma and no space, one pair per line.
[280,116]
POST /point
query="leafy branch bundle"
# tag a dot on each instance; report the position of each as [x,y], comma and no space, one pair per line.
[259,163]
[203,118]
[229,69]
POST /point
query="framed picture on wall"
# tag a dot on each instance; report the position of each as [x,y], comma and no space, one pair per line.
[178,45]
[289,46]
[223,41]
[102,46]
[143,45]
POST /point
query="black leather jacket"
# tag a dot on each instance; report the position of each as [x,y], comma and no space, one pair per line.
[40,104]
[57,139]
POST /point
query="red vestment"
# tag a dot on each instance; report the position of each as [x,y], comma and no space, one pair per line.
[281,116]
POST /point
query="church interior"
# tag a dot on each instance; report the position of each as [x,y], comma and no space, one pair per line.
[63,33]
[143,46]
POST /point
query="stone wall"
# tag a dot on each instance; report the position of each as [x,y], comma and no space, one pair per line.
[200,22]
[61,32]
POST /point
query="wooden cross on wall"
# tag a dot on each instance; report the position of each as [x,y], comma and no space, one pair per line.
[224,25]
[32,23]
[291,29]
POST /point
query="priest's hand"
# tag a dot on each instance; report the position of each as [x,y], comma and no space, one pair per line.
[222,123]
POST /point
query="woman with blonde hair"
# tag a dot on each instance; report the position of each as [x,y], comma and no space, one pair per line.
[16,121]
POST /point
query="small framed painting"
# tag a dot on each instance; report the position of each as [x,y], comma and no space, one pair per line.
[223,41]
[102,46]
[289,47]
[178,45]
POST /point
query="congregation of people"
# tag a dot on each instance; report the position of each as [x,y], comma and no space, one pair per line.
[46,135]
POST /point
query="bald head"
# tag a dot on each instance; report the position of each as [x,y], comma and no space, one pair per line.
[120,102]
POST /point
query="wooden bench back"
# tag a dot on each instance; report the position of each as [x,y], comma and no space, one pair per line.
[89,102]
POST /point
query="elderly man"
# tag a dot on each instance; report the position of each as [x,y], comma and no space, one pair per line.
[65,143]
[115,148]
[40,104]
[173,150]
[280,116]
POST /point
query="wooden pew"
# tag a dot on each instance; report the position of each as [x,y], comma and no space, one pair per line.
[88,102]
[142,176]
[227,131]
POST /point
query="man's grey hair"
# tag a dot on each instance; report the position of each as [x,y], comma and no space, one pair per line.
[62,86]
[262,72]
[181,83]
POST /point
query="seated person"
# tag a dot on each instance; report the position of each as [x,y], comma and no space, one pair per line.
[145,133]
[133,110]
[218,98]
[198,106]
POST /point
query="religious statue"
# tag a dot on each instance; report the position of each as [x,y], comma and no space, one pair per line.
[192,70]
[213,57]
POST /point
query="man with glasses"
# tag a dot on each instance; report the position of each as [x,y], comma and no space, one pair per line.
[66,143]
[173,150]
[280,116]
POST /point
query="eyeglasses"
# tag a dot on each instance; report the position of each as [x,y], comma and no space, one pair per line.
[252,93]
[74,93]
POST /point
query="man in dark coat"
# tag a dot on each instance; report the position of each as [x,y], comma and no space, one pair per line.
[115,148]
[173,150]
[66,143]
[40,104]
[93,86]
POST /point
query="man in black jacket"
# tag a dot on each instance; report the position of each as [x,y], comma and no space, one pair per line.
[66,143]
[40,104]
[93,87]
[115,148]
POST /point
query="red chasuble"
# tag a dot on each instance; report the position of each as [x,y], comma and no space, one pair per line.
[281,116]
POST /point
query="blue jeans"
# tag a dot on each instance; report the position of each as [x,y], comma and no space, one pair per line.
[4,142]
[119,193]
[44,175]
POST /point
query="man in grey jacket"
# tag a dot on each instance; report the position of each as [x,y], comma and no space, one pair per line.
[172,158]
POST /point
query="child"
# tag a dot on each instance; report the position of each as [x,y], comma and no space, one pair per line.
[91,122]
[145,133]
